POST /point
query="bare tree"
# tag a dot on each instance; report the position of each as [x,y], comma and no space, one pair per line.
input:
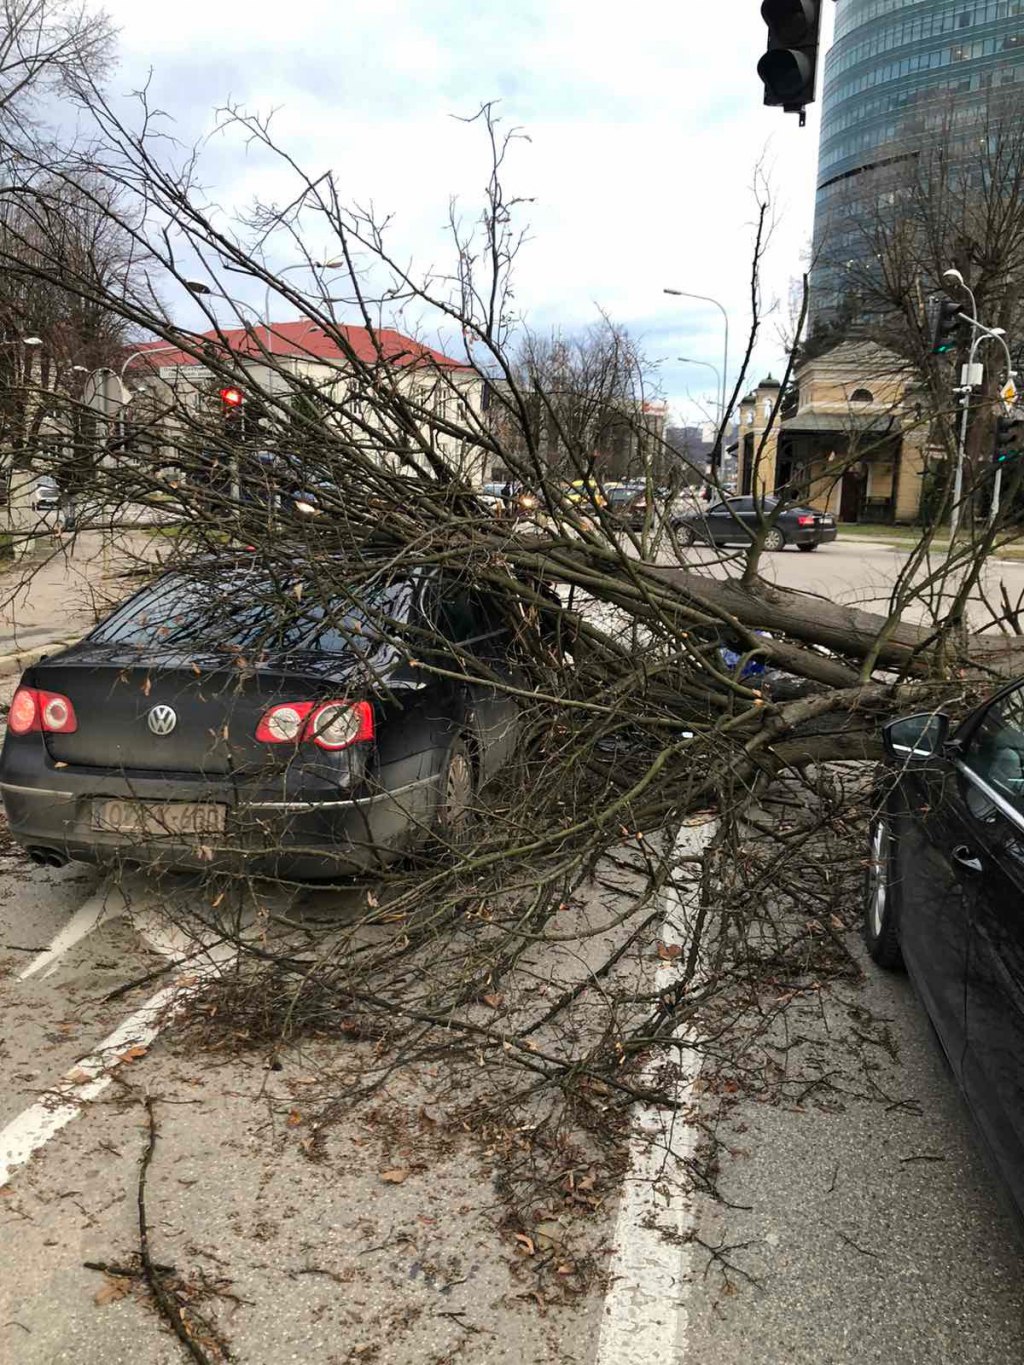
[637,682]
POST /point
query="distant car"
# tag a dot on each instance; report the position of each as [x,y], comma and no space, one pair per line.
[945,898]
[46,495]
[661,505]
[737,520]
[219,720]
[622,499]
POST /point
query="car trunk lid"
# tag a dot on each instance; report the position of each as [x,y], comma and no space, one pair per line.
[184,714]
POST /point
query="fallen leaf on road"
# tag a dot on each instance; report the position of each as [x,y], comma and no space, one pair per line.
[495,1000]
[397,1176]
[77,1076]
[133,1053]
[112,1289]
[526,1243]
[294,1119]
[668,952]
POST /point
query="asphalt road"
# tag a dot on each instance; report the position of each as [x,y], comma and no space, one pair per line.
[861,1224]
[865,1216]
[856,572]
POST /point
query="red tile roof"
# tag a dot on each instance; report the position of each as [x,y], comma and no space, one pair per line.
[307,340]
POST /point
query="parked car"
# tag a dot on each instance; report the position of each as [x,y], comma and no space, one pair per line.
[46,495]
[736,521]
[217,720]
[945,898]
[622,499]
[662,506]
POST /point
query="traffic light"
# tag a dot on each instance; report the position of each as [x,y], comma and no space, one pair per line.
[1009,445]
[789,67]
[232,408]
[946,327]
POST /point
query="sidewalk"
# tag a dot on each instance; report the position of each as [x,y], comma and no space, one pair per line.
[54,598]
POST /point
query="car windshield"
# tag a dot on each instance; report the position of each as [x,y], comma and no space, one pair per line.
[246,610]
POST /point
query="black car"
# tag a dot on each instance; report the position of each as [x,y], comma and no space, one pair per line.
[945,897]
[737,521]
[222,719]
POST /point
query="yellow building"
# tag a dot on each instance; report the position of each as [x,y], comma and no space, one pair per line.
[848,438]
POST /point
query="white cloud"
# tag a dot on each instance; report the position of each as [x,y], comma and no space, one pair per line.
[645,123]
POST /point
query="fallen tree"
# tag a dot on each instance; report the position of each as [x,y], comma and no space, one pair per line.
[635,714]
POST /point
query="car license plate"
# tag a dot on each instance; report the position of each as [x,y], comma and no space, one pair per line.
[177,819]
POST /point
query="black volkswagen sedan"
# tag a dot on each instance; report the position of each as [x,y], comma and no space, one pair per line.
[737,520]
[225,719]
[945,897]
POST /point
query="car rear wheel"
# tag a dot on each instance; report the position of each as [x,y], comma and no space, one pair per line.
[456,811]
[807,548]
[774,540]
[881,893]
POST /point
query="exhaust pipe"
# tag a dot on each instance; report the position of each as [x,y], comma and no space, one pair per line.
[47,857]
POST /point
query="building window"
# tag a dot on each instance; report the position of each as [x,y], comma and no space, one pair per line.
[862,396]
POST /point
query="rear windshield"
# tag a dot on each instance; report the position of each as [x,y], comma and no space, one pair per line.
[239,611]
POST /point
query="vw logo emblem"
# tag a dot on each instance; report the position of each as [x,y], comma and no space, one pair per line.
[162,719]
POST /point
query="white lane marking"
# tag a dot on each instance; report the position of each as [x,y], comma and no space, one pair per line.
[645,1310]
[90,1076]
[108,902]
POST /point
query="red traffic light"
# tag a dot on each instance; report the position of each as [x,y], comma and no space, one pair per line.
[231,398]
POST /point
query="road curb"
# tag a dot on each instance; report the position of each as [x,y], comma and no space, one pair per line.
[18,660]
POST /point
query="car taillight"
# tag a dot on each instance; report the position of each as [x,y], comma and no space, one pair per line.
[337,724]
[805,521]
[35,709]
[284,724]
[24,713]
[330,724]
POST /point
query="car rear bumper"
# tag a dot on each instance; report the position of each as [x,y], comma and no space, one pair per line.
[812,535]
[305,839]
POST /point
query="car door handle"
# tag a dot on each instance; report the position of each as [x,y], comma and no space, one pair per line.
[966,858]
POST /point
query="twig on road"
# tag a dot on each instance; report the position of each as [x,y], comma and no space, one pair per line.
[164,1301]
[857,1247]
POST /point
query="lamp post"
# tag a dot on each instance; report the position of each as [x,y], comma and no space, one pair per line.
[717,453]
[153,350]
[315,266]
[980,333]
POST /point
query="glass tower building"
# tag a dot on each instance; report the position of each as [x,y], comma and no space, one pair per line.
[899,73]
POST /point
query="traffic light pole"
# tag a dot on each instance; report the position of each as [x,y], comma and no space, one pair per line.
[997,482]
[981,333]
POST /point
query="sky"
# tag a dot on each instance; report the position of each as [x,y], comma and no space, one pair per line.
[643,126]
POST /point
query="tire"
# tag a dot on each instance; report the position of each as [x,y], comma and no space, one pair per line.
[881,893]
[774,540]
[685,534]
[806,549]
[456,811]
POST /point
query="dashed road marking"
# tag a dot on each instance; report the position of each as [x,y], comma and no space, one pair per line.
[108,902]
[91,1075]
[645,1309]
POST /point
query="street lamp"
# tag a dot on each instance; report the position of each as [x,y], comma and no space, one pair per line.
[979,333]
[153,350]
[716,457]
[689,360]
[315,266]
[22,341]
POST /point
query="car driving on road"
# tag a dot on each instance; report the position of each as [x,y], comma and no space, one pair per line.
[737,520]
[225,719]
[945,898]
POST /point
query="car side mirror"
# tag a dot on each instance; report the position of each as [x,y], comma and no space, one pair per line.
[914,739]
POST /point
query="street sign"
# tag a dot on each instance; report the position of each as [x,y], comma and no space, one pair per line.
[1008,393]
